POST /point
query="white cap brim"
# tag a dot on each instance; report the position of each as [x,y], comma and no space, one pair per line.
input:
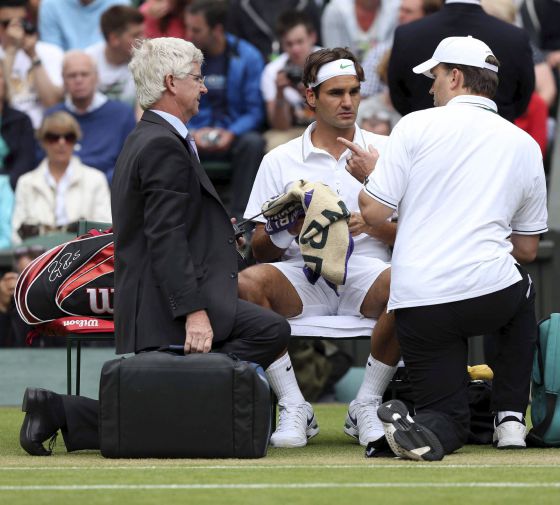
[424,68]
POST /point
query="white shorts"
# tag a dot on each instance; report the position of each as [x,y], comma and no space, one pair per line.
[319,299]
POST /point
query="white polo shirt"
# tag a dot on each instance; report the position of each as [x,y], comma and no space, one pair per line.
[463,179]
[300,159]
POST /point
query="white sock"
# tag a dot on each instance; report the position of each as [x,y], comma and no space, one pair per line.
[376,379]
[505,413]
[283,381]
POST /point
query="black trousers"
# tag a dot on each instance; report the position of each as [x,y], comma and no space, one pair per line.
[259,335]
[434,344]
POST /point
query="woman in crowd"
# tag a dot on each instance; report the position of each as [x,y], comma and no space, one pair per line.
[17,143]
[61,190]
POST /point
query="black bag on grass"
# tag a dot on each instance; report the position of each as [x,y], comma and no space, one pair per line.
[165,405]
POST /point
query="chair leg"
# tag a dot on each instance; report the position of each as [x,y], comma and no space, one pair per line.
[69,365]
[78,365]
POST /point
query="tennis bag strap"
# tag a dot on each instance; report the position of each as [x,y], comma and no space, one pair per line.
[546,383]
[163,405]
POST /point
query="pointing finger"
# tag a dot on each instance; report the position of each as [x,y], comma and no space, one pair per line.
[355,148]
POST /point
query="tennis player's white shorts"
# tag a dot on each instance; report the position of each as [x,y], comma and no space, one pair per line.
[320,299]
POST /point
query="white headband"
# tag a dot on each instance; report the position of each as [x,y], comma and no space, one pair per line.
[334,69]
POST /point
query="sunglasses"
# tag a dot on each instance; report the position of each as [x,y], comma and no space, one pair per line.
[53,138]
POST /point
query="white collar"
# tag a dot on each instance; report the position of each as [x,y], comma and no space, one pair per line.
[473,2]
[173,121]
[99,99]
[478,101]
[308,147]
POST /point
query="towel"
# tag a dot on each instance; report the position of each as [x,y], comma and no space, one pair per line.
[324,240]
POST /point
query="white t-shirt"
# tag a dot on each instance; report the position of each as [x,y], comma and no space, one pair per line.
[115,81]
[299,159]
[463,179]
[24,95]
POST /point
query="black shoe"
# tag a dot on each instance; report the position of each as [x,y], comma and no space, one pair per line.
[43,419]
[406,438]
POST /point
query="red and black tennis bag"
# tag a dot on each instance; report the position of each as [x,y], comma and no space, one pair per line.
[72,279]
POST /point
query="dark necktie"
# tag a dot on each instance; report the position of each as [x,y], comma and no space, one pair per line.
[192,143]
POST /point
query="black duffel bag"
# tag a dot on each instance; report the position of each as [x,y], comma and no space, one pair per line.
[164,405]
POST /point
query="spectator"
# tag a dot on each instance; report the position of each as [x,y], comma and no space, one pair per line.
[230,115]
[17,144]
[416,41]
[534,120]
[6,207]
[281,84]
[105,123]
[61,190]
[121,26]
[255,20]
[359,24]
[73,24]
[164,18]
[33,67]
[409,10]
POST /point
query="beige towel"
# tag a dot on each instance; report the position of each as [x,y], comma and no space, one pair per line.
[324,241]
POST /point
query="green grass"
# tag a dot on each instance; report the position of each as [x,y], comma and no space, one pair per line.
[331,469]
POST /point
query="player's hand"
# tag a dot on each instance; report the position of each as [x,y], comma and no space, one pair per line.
[357,225]
[199,334]
[295,229]
[360,163]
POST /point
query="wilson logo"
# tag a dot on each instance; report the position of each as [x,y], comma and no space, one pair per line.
[82,322]
[101,300]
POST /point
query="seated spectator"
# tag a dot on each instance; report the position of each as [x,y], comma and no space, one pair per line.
[359,24]
[231,113]
[73,24]
[164,18]
[281,85]
[121,26]
[409,10]
[17,143]
[255,21]
[33,67]
[105,123]
[6,207]
[61,190]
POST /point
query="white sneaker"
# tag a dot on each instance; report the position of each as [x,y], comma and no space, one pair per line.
[362,422]
[509,433]
[296,424]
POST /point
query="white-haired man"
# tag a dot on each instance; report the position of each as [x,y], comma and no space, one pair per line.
[175,249]
[470,190]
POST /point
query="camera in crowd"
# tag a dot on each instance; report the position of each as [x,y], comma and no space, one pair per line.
[294,73]
[212,137]
[28,27]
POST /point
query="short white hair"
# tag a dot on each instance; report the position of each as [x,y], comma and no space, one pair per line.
[74,54]
[153,59]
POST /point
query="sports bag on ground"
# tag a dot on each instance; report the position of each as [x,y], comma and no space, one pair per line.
[545,385]
[164,405]
[71,279]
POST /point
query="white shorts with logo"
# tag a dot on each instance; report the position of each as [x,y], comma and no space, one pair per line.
[319,299]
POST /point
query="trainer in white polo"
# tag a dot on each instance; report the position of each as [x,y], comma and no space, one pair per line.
[470,191]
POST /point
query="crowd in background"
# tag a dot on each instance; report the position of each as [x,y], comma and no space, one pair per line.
[67,97]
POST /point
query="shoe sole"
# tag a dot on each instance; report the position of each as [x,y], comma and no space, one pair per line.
[405,437]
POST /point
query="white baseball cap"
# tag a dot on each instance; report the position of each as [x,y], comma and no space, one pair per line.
[459,50]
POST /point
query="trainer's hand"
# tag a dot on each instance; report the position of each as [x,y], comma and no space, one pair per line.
[240,241]
[7,288]
[199,332]
[360,163]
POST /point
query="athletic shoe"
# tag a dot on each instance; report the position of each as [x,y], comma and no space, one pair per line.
[509,433]
[406,438]
[296,424]
[362,422]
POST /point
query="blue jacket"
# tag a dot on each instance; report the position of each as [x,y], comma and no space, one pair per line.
[244,100]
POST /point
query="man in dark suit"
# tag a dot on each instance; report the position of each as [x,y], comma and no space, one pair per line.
[417,41]
[175,249]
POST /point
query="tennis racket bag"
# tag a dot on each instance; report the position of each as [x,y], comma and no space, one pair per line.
[165,405]
[71,279]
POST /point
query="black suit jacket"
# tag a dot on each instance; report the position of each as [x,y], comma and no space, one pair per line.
[415,43]
[174,245]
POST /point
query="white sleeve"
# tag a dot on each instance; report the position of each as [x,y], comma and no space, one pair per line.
[51,57]
[388,181]
[268,83]
[267,184]
[531,217]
